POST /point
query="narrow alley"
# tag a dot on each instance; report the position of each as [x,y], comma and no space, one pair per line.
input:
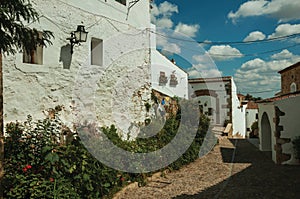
[234,169]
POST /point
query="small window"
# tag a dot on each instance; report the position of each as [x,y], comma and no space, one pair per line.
[210,111]
[173,80]
[35,56]
[163,79]
[97,52]
[122,2]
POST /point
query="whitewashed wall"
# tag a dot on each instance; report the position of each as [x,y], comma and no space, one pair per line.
[267,108]
[219,87]
[238,113]
[160,63]
[114,93]
[290,123]
[250,117]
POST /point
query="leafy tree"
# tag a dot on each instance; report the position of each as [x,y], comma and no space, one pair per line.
[15,35]
[251,98]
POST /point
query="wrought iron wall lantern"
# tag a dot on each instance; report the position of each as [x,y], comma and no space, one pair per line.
[80,35]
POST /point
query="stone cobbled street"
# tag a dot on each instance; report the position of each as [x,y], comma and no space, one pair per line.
[233,169]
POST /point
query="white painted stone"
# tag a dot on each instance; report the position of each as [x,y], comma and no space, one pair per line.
[102,92]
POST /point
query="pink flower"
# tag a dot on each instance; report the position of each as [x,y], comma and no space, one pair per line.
[28,166]
[51,179]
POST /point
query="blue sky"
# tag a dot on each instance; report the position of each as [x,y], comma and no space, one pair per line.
[253,65]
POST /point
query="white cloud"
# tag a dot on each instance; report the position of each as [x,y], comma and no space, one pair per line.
[171,48]
[203,67]
[161,14]
[260,76]
[203,73]
[253,64]
[250,8]
[167,9]
[285,29]
[282,10]
[164,9]
[255,36]
[285,54]
[166,46]
[203,59]
[164,22]
[188,30]
[224,53]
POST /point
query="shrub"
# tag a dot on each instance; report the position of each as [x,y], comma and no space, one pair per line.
[296,146]
[37,165]
[40,164]
[254,126]
[254,130]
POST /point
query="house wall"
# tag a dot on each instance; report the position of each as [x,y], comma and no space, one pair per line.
[160,63]
[267,141]
[238,113]
[282,116]
[223,97]
[288,77]
[250,117]
[112,93]
[290,127]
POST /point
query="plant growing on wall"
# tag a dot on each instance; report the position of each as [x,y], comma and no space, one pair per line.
[296,146]
[254,129]
[15,35]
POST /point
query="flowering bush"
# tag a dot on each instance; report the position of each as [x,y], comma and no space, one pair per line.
[39,163]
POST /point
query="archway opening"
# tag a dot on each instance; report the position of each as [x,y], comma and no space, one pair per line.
[266,143]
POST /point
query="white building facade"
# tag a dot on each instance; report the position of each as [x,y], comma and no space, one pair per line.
[107,78]
[166,76]
[251,117]
[218,99]
[278,118]
[278,127]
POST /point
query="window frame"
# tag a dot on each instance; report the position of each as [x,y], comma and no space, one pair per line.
[36,55]
[100,44]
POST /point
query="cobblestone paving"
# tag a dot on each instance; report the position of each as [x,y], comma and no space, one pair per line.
[233,169]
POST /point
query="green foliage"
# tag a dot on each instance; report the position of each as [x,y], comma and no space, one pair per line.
[251,98]
[13,33]
[226,122]
[254,130]
[165,136]
[39,165]
[254,126]
[296,145]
